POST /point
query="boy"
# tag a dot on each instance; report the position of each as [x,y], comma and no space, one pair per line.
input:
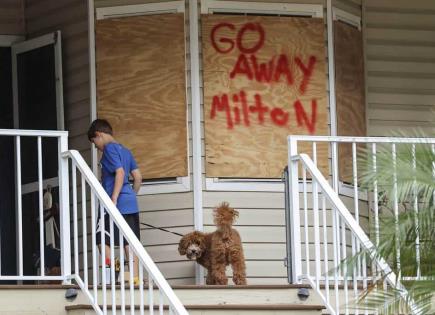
[117,163]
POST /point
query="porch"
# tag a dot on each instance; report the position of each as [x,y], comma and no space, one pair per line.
[184,183]
[314,207]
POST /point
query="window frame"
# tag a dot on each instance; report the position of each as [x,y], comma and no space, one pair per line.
[296,9]
[346,17]
[155,186]
[283,9]
[353,20]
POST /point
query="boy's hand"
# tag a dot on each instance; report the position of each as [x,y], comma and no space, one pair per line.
[137,179]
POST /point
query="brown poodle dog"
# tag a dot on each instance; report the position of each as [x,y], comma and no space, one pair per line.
[215,251]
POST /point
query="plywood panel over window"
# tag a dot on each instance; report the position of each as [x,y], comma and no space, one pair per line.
[141,89]
[264,79]
[350,99]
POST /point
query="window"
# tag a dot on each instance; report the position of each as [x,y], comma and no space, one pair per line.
[141,88]
[264,78]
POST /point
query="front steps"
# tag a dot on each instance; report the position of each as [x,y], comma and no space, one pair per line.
[35,299]
[199,300]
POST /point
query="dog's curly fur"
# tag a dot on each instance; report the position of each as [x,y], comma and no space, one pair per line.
[215,251]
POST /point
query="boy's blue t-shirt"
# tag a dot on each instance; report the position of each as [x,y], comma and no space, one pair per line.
[115,156]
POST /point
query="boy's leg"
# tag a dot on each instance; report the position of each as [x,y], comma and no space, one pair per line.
[106,239]
[106,251]
[135,261]
[133,221]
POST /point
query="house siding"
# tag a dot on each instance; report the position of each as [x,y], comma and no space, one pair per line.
[12,17]
[400,58]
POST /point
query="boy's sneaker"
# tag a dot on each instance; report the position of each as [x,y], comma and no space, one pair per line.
[117,265]
[136,282]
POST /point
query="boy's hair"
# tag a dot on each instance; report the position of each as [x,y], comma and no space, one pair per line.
[100,125]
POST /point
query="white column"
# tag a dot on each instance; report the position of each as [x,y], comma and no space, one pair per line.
[65,246]
[196,125]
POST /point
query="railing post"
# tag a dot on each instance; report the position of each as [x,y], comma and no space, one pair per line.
[294,217]
[65,246]
[288,238]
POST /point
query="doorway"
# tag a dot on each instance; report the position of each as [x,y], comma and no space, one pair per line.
[37,105]
[7,196]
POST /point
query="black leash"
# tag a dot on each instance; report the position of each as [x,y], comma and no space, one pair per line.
[161,229]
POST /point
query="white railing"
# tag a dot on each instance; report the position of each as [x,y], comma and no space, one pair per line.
[84,270]
[323,232]
[81,195]
[27,147]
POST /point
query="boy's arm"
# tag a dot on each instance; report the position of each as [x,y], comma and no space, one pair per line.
[119,181]
[137,179]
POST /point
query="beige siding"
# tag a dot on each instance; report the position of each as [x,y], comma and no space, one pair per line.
[351,6]
[400,56]
[12,17]
[173,212]
[261,224]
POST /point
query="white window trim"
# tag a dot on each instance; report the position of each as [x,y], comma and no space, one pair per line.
[158,186]
[244,184]
[181,184]
[217,6]
[355,21]
[346,17]
[140,9]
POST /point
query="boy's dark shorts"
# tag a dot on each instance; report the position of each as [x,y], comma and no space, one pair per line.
[132,220]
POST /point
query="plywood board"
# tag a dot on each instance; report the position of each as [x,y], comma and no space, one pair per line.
[141,89]
[350,92]
[264,79]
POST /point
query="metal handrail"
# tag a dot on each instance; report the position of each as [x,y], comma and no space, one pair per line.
[138,248]
[323,187]
[356,229]
[371,142]
[74,260]
[349,139]
[33,133]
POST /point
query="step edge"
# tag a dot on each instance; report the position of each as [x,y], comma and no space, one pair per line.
[175,287]
[293,307]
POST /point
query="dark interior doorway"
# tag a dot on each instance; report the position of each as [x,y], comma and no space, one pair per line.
[37,110]
[7,168]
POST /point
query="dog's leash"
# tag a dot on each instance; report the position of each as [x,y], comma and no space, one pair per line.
[162,229]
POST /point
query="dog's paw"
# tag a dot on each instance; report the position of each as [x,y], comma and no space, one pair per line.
[239,280]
